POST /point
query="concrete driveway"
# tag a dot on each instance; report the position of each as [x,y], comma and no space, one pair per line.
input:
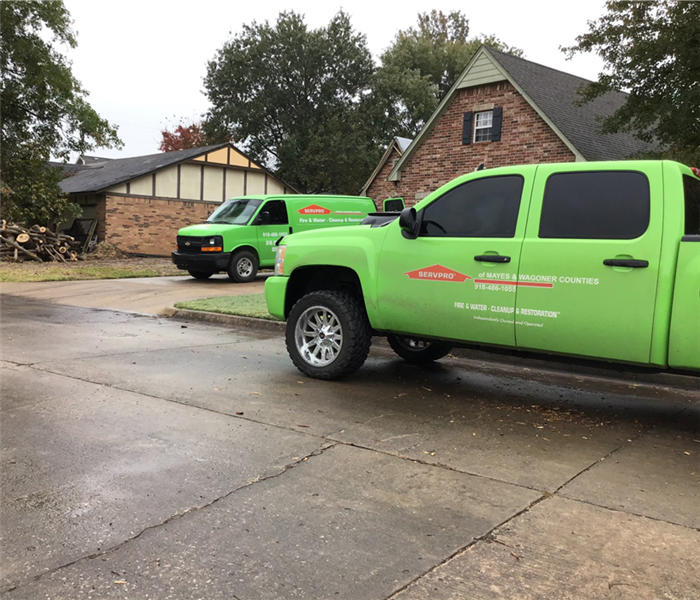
[147,295]
[146,458]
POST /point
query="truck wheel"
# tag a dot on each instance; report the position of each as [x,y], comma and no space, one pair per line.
[243,266]
[328,335]
[200,274]
[417,351]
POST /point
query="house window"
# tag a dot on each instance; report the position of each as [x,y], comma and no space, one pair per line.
[482,126]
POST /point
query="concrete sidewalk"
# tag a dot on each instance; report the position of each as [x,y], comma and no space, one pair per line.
[147,295]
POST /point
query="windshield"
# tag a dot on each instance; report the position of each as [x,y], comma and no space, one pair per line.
[234,212]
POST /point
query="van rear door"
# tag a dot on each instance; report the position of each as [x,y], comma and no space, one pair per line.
[593,244]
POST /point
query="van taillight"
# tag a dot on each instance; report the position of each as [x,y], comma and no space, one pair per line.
[695,171]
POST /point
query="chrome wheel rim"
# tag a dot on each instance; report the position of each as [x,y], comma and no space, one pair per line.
[244,267]
[318,336]
[412,344]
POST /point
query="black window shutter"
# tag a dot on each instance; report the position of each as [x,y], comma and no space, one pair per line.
[496,124]
[467,129]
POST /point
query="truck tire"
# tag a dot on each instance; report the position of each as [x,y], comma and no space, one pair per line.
[417,351]
[243,266]
[200,274]
[328,335]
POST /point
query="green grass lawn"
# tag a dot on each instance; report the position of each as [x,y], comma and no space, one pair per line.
[252,305]
[81,273]
[93,269]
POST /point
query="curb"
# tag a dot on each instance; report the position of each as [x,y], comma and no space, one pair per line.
[183,314]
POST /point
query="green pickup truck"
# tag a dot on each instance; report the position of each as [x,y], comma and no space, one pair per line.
[592,260]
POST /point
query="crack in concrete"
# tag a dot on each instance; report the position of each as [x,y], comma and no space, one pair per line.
[44,362]
[489,536]
[631,513]
[194,509]
[466,547]
[182,403]
[437,464]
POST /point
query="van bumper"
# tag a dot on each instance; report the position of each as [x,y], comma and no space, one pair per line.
[207,263]
[275,294]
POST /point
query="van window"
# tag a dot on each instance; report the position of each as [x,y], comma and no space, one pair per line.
[274,212]
[691,186]
[234,212]
[486,207]
[602,205]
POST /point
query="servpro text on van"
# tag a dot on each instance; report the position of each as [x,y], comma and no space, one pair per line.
[241,235]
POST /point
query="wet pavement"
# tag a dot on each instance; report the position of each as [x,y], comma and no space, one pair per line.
[147,458]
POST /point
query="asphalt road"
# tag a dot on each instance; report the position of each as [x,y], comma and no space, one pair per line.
[147,458]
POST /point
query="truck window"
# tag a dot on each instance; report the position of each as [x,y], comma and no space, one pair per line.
[691,187]
[601,205]
[486,207]
[273,213]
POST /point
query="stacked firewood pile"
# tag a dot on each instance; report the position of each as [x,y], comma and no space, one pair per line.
[37,243]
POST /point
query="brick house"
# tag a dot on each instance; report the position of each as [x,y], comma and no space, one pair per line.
[141,202]
[503,110]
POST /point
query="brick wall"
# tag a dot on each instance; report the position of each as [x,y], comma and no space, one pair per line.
[525,139]
[381,189]
[148,225]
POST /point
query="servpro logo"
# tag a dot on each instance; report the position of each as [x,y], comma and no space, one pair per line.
[314,209]
[438,273]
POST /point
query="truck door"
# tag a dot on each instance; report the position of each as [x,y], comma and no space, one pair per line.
[271,224]
[592,248]
[455,280]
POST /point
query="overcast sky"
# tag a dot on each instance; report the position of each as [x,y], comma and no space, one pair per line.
[143,61]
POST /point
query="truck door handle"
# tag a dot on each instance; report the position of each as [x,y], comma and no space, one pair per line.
[623,262]
[493,258]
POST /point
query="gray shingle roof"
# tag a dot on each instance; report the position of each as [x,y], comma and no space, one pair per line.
[555,93]
[97,177]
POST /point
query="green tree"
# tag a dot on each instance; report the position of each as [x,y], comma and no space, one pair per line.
[44,110]
[300,100]
[651,50]
[423,63]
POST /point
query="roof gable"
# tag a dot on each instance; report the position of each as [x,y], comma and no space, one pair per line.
[553,95]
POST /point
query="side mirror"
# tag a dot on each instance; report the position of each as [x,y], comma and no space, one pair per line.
[393,205]
[408,221]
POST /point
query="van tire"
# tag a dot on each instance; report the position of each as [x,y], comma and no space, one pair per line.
[243,266]
[417,351]
[347,316]
[200,274]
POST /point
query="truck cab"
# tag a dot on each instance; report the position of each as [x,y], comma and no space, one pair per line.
[592,260]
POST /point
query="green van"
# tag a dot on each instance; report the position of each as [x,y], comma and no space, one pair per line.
[240,236]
